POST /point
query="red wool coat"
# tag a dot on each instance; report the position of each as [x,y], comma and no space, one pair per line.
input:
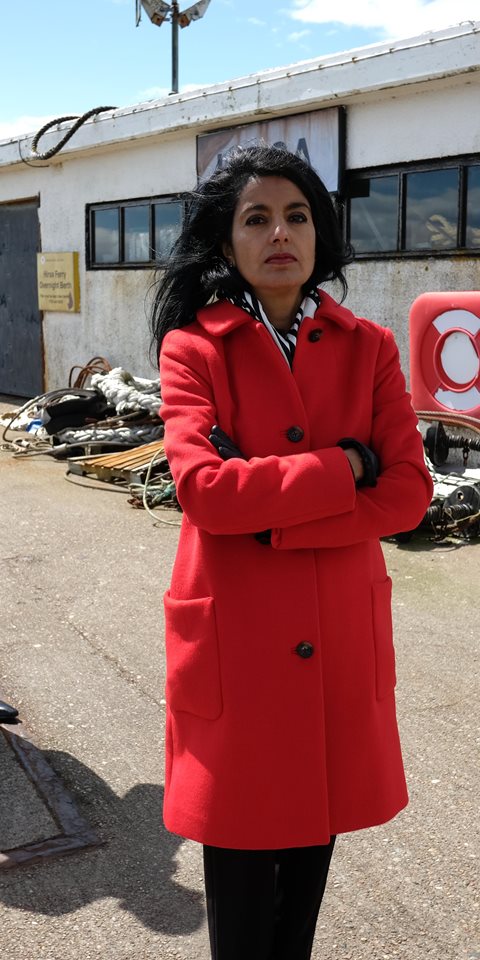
[266,747]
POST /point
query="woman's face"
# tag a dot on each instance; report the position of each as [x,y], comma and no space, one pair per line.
[273,236]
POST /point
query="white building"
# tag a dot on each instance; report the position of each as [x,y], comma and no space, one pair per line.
[392,127]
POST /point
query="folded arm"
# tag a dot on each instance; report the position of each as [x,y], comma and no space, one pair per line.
[404,488]
[238,496]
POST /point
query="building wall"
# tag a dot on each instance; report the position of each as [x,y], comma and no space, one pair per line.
[417,122]
[411,122]
[113,317]
[113,321]
[385,290]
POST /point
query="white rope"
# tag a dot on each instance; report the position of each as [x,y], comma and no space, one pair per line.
[136,434]
[170,523]
[126,392]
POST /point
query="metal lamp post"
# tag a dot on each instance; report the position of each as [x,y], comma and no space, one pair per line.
[175,12]
[159,10]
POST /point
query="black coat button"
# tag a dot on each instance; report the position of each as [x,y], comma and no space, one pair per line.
[295,434]
[315,335]
[304,650]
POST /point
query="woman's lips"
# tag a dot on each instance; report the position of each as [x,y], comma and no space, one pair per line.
[281,258]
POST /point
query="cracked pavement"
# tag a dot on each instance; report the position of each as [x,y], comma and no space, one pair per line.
[83,575]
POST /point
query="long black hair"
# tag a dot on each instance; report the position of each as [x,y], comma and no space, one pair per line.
[197,269]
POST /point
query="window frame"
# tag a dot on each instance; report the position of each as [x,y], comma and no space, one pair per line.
[461,163]
[121,206]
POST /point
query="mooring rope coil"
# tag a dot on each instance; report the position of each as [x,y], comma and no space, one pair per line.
[134,434]
[127,393]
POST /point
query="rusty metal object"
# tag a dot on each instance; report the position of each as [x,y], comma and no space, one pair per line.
[95,365]
[438,444]
[451,418]
[75,833]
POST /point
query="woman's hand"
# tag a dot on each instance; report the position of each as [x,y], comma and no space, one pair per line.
[356,464]
[363,461]
[225,446]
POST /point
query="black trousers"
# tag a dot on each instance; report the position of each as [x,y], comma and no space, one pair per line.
[263,904]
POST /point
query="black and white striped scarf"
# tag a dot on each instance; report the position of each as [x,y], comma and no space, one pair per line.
[286,340]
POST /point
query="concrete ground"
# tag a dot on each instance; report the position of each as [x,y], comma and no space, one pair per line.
[83,575]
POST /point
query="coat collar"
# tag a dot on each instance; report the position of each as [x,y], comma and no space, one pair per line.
[222,317]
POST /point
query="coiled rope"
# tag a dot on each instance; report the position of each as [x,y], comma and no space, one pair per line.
[130,436]
[53,123]
[126,392]
[160,492]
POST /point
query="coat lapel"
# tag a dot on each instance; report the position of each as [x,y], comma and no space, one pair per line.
[222,317]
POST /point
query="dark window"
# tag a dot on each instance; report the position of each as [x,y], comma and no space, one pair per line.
[106,236]
[373,215]
[429,208]
[431,214]
[136,233]
[133,233]
[168,223]
[473,207]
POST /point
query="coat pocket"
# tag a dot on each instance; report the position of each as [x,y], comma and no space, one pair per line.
[193,670]
[385,676]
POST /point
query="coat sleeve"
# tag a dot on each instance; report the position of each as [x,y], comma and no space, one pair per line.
[238,496]
[404,488]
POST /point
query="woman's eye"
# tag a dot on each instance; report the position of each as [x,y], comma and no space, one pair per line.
[298,218]
[255,219]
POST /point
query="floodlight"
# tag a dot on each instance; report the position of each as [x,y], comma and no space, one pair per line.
[157,10]
[195,12]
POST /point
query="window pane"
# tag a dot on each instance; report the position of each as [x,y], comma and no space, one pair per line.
[432,210]
[168,223]
[106,236]
[473,207]
[136,234]
[373,218]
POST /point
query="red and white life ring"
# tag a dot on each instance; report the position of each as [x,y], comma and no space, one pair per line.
[445,352]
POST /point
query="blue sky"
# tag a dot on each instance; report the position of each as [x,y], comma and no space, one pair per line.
[66,56]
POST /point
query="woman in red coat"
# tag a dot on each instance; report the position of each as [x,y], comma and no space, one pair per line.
[294,447]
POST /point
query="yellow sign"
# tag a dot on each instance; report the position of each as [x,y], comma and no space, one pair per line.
[58,282]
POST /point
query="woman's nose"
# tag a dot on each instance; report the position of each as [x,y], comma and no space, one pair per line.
[280,231]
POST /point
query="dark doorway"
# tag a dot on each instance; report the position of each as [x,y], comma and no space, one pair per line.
[21,351]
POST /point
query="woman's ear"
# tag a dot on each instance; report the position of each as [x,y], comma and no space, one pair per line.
[228,254]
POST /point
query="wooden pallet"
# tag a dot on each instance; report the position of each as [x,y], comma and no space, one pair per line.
[126,465]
